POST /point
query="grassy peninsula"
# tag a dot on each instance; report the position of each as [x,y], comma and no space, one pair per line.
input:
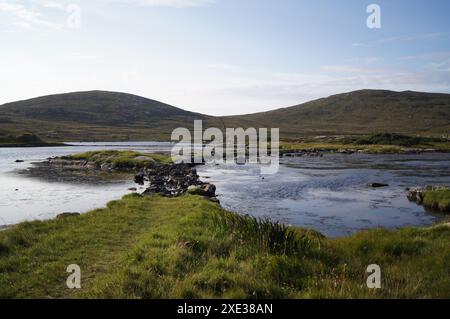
[189,247]
[120,159]
[24,140]
[382,143]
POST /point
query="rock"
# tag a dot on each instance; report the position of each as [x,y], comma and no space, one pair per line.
[19,161]
[173,180]
[106,167]
[139,178]
[206,190]
[195,190]
[377,185]
[65,215]
[133,189]
[210,190]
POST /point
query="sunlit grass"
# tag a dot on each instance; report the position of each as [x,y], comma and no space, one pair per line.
[438,200]
[120,159]
[189,247]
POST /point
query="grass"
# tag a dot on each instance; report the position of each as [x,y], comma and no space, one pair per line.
[438,200]
[395,139]
[120,159]
[24,140]
[189,247]
[385,143]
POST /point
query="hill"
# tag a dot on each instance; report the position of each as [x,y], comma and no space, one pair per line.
[95,115]
[102,116]
[359,112]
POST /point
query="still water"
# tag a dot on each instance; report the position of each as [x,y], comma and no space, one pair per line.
[328,194]
[25,198]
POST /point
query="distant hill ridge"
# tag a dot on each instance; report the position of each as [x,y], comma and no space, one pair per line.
[102,115]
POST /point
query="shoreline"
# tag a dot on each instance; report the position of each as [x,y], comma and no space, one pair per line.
[85,172]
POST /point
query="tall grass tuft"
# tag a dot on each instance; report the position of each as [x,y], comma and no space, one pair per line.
[266,235]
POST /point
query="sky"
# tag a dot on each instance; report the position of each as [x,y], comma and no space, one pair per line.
[222,57]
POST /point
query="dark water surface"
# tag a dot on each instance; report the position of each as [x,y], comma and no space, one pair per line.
[330,193]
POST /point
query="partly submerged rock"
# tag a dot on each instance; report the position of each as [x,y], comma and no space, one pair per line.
[207,190]
[377,185]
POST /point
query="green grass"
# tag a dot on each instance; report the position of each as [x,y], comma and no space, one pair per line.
[189,247]
[24,140]
[395,139]
[385,143]
[120,159]
[334,147]
[438,200]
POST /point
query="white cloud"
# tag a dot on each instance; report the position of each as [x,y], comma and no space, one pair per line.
[53,5]
[26,16]
[178,4]
[351,69]
[416,37]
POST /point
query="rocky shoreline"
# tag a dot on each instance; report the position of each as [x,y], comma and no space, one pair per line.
[320,152]
[170,180]
[173,180]
[73,173]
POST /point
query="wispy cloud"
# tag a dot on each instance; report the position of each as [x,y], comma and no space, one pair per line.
[27,15]
[179,4]
[350,69]
[417,37]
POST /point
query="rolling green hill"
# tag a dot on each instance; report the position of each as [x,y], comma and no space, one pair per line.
[95,115]
[359,112]
[111,116]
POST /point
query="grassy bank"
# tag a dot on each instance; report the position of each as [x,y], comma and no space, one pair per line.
[189,247]
[124,159]
[24,140]
[372,144]
[438,200]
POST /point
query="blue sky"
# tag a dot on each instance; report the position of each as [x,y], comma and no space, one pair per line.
[222,56]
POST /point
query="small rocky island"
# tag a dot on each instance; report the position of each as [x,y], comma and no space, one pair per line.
[157,171]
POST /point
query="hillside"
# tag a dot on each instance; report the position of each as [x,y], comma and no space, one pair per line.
[95,115]
[359,112]
[100,115]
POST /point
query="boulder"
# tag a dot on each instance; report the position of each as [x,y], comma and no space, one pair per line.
[210,190]
[207,190]
[377,185]
[195,190]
